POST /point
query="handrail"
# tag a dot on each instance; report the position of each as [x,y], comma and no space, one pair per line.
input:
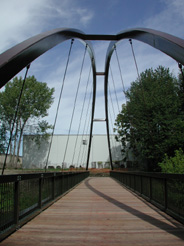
[166,191]
[153,174]
[23,196]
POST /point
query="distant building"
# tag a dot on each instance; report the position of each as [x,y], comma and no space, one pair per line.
[35,156]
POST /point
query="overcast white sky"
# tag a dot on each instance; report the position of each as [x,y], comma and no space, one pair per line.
[20,19]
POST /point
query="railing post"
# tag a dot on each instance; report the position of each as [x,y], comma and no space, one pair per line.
[63,183]
[165,193]
[40,191]
[150,188]
[53,186]
[16,200]
[66,183]
[11,191]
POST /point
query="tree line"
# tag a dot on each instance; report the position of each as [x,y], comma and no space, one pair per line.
[35,101]
[150,125]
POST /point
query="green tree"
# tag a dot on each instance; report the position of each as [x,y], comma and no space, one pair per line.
[151,123]
[173,164]
[181,90]
[36,99]
[3,139]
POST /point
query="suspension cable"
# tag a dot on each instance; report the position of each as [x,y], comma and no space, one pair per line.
[139,79]
[111,120]
[15,117]
[114,89]
[112,137]
[84,153]
[142,89]
[85,124]
[120,70]
[112,103]
[124,92]
[81,116]
[74,105]
[133,53]
[61,92]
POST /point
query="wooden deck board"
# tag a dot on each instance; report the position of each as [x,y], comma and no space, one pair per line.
[100,212]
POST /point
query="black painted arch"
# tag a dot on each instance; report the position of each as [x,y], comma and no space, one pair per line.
[15,59]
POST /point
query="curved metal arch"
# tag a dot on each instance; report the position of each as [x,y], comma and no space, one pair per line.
[18,57]
[168,44]
[15,59]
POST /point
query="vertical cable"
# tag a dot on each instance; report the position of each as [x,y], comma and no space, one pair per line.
[133,53]
[139,78]
[114,89]
[85,149]
[112,103]
[74,105]
[15,117]
[120,70]
[113,137]
[81,116]
[85,129]
[113,145]
[69,53]
[142,89]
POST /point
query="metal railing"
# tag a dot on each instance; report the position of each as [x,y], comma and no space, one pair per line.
[166,191]
[24,196]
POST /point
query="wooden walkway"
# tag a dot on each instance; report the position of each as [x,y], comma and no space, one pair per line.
[100,212]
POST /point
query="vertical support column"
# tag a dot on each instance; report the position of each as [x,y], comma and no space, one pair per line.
[93,110]
[107,65]
[108,136]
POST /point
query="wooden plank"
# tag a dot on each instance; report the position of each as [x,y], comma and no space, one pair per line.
[99,211]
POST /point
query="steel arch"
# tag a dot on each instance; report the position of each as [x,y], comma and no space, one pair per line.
[15,59]
[168,44]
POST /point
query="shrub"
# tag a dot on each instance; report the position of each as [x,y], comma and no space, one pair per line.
[173,164]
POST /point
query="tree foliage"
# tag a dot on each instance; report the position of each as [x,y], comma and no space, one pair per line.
[173,164]
[152,122]
[35,101]
[3,139]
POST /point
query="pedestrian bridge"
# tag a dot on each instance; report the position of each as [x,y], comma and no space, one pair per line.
[100,211]
[38,209]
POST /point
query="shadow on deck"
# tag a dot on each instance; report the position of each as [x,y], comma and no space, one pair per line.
[99,211]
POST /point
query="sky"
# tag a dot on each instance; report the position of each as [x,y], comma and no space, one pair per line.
[20,20]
